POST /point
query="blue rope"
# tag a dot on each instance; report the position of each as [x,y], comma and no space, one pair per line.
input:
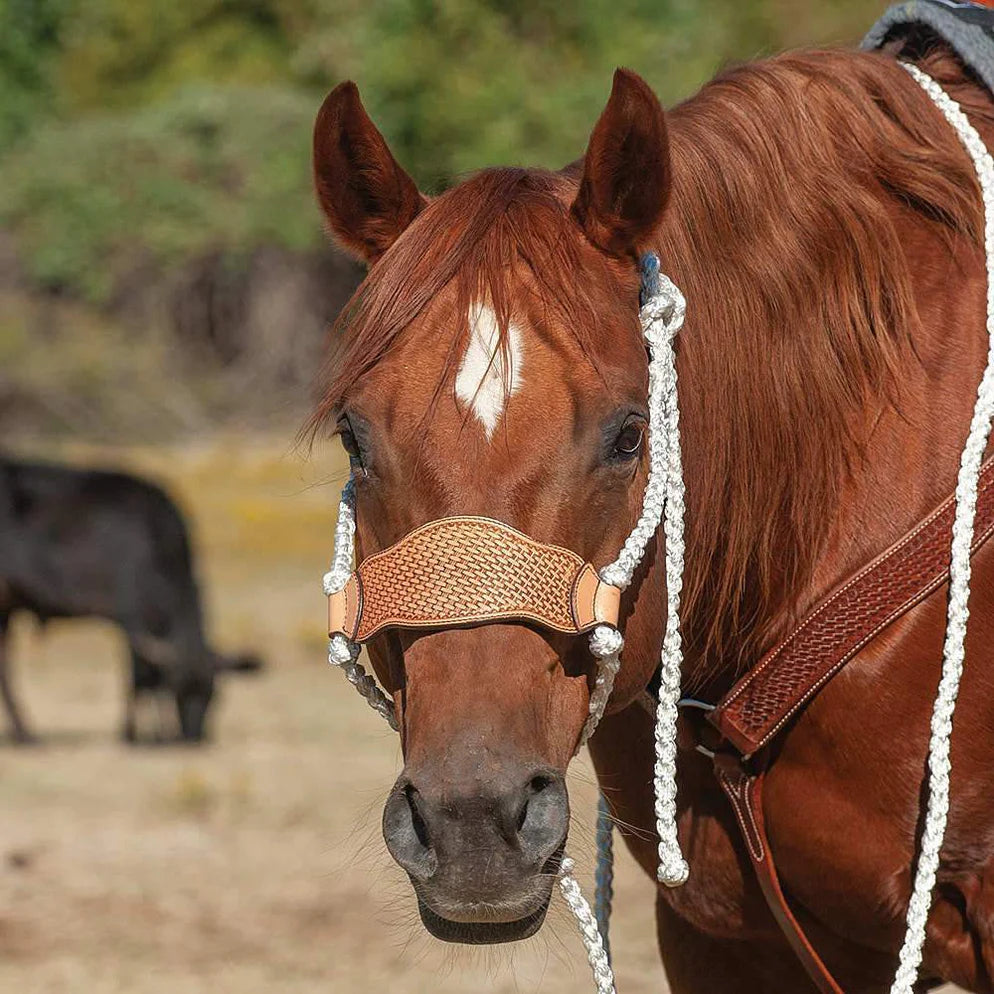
[649,273]
[604,877]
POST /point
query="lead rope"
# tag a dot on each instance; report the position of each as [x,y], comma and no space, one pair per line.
[939,766]
[604,874]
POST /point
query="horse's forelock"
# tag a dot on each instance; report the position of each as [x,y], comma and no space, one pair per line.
[477,237]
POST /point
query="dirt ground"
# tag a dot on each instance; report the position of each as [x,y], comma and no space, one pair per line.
[254,864]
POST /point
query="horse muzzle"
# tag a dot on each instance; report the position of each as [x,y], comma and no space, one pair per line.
[482,860]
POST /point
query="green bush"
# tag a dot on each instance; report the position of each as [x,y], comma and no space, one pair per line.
[210,169]
[28,45]
[161,129]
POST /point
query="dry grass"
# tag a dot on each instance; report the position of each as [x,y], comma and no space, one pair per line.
[254,864]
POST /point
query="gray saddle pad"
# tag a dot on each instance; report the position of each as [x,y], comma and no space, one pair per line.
[968,28]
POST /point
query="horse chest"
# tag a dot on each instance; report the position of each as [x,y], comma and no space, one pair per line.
[842,798]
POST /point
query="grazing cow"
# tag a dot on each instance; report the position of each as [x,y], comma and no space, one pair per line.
[89,543]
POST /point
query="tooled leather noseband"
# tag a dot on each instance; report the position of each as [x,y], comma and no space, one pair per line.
[469,570]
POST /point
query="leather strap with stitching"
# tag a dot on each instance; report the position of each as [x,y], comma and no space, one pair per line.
[761,704]
[745,791]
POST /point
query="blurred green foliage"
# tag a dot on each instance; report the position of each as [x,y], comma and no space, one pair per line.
[211,168]
[29,42]
[135,130]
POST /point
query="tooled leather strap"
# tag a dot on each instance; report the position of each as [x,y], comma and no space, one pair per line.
[470,570]
[745,792]
[761,704]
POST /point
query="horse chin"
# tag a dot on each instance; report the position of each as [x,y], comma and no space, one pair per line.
[482,933]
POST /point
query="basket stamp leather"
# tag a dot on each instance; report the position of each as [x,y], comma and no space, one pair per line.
[763,701]
[468,570]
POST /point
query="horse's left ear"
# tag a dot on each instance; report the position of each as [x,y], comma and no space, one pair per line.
[626,171]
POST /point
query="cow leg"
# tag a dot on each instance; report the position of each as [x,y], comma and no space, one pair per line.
[697,963]
[18,728]
[129,729]
[145,682]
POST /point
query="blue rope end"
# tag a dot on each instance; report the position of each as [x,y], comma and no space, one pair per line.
[649,271]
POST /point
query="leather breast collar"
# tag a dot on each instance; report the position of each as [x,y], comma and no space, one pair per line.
[762,705]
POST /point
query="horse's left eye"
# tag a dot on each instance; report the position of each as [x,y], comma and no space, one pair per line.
[630,440]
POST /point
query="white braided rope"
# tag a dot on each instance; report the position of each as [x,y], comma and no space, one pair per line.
[341,651]
[606,644]
[939,766]
[597,956]
[662,324]
[662,316]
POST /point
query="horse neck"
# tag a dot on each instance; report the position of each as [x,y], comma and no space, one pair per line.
[826,389]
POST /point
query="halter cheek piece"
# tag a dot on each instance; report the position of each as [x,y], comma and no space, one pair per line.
[469,571]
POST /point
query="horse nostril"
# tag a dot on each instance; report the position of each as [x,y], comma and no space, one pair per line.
[539,782]
[406,833]
[417,819]
[543,817]
[536,785]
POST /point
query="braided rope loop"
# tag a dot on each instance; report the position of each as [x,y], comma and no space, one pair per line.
[939,766]
[605,644]
[662,316]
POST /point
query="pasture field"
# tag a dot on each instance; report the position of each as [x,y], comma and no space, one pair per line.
[254,864]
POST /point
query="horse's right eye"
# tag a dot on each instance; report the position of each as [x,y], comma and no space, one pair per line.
[349,443]
[629,442]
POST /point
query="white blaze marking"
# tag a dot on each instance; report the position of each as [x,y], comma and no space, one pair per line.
[482,382]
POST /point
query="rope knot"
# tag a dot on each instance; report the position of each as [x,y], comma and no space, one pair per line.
[663,312]
[341,651]
[606,640]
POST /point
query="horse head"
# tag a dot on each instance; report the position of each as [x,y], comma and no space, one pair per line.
[492,364]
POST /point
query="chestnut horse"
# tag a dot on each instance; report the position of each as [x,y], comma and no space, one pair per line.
[825,226]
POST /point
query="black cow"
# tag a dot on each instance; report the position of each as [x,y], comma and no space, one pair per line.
[89,543]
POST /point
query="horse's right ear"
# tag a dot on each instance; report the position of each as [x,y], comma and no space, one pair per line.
[365,195]
[626,171]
